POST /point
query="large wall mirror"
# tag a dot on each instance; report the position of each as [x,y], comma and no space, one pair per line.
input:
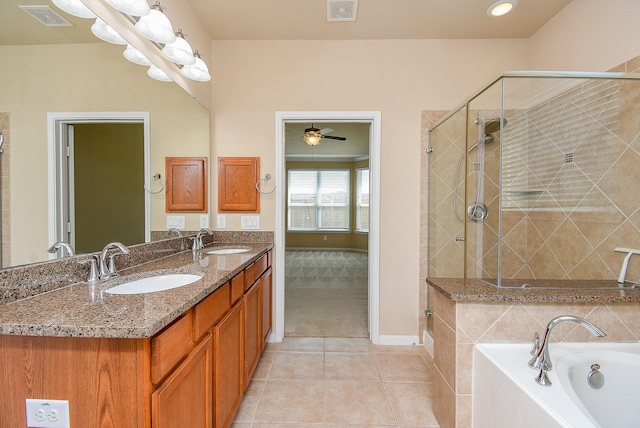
[66,69]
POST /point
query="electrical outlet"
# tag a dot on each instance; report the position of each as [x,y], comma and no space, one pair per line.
[47,413]
[222,221]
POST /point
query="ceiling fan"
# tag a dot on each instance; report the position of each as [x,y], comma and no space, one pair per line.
[312,136]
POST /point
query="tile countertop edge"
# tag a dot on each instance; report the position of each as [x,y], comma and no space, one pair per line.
[95,319]
[475,290]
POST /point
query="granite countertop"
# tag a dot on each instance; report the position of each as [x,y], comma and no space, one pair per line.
[476,290]
[85,310]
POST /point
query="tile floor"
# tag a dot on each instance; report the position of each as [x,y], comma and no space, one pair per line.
[334,382]
[326,293]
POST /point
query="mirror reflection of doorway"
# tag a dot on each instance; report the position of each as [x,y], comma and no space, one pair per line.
[326,239]
[98,172]
[106,193]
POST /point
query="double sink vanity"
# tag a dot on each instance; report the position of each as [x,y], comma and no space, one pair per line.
[180,356]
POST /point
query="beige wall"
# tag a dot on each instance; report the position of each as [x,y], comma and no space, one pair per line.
[588,35]
[80,78]
[255,79]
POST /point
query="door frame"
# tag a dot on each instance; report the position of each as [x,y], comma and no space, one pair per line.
[57,135]
[374,118]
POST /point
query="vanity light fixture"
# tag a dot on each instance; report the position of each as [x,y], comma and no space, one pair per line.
[75,8]
[179,51]
[155,73]
[312,137]
[135,56]
[103,31]
[501,7]
[198,71]
[131,7]
[156,26]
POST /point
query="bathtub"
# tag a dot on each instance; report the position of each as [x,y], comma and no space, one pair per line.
[506,395]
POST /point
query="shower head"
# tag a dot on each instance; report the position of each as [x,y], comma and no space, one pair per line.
[493,125]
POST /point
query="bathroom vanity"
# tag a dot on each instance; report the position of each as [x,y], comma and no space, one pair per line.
[467,312]
[181,357]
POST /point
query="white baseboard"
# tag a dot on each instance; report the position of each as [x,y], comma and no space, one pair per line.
[398,340]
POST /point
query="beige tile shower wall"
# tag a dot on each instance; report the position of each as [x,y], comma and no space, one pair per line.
[429,119]
[576,199]
[446,255]
[4,188]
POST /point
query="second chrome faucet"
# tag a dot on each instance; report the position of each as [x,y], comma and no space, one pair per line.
[541,359]
[107,269]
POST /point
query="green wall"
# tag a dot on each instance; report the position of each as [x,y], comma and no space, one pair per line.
[109,179]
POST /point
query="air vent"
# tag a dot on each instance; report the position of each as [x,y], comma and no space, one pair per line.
[46,16]
[342,10]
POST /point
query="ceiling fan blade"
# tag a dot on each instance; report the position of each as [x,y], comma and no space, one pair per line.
[326,130]
[331,137]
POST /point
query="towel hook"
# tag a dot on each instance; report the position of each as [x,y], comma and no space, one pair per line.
[266,178]
[156,177]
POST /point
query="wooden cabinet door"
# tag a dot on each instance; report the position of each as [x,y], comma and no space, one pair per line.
[266,306]
[184,399]
[252,330]
[228,366]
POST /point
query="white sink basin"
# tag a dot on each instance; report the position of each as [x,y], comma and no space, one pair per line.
[224,251]
[154,283]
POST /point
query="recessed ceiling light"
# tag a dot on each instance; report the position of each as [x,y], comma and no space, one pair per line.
[501,7]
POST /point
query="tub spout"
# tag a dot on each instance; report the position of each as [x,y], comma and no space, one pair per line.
[541,360]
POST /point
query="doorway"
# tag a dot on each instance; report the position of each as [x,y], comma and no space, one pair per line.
[372,119]
[98,165]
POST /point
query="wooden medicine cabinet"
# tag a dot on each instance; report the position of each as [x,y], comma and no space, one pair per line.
[186,184]
[237,178]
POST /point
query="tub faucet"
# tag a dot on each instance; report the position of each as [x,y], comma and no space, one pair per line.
[541,360]
[65,248]
[109,270]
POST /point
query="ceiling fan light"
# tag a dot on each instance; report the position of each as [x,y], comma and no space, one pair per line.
[179,51]
[131,7]
[198,71]
[103,31]
[135,56]
[501,7]
[312,138]
[156,26]
[155,73]
[75,8]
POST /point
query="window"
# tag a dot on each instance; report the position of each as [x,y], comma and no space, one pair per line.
[362,200]
[318,200]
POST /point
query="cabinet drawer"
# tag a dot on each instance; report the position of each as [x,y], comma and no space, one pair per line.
[260,266]
[169,346]
[249,276]
[210,310]
[237,287]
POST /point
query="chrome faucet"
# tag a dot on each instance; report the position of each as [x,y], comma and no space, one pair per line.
[175,230]
[109,270]
[64,248]
[541,360]
[197,241]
